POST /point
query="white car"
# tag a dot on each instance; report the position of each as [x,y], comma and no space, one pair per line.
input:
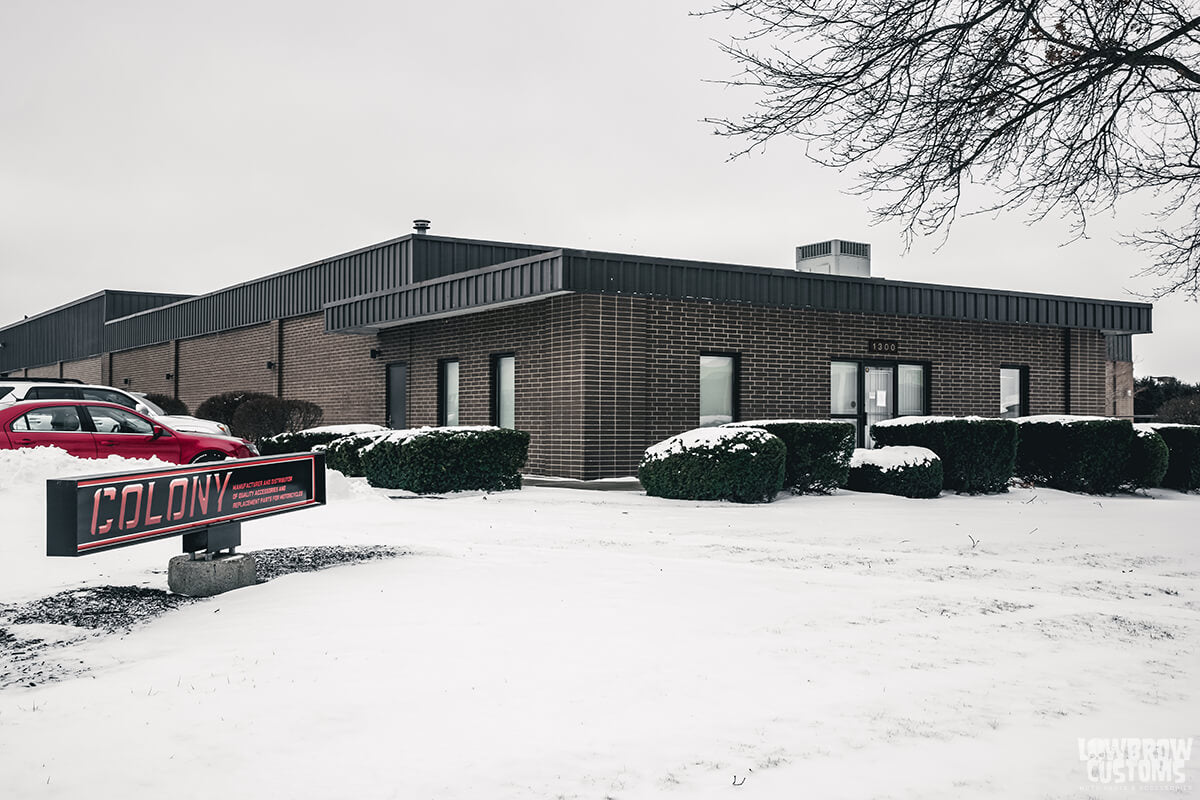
[14,390]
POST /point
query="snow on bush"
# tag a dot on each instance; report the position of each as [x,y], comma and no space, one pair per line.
[977,453]
[745,465]
[451,459]
[818,451]
[902,471]
[305,440]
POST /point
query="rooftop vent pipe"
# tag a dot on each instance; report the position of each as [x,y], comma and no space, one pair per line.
[420,226]
[835,257]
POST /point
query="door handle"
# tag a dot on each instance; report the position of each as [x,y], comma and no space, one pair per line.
[24,441]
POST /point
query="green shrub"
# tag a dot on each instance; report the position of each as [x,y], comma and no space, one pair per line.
[1075,454]
[818,451]
[1148,456]
[222,407]
[902,471]
[171,405]
[745,465]
[977,454]
[303,441]
[262,417]
[1184,410]
[1183,463]
[345,454]
[436,460]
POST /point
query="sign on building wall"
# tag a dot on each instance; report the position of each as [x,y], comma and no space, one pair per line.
[102,512]
[883,347]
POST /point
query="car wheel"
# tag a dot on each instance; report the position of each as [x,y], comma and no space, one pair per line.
[209,455]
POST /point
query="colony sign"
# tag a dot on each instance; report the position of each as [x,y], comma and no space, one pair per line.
[102,512]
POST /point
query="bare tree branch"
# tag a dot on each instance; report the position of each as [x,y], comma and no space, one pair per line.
[1061,106]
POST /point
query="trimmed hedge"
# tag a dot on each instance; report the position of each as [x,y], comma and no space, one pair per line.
[745,465]
[171,405]
[1147,463]
[977,453]
[262,417]
[345,453]
[1183,464]
[818,451]
[222,407]
[1081,454]
[904,471]
[436,460]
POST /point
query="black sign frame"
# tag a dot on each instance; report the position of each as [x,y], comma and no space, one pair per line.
[90,514]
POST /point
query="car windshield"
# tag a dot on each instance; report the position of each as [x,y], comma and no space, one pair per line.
[150,404]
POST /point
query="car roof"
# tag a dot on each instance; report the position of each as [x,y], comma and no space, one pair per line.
[72,381]
[42,402]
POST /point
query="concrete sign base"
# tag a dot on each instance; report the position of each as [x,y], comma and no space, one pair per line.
[201,577]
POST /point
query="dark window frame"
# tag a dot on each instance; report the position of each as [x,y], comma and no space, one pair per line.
[441,389]
[494,387]
[736,360]
[1023,374]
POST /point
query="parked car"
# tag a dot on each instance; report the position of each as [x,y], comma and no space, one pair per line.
[14,390]
[97,430]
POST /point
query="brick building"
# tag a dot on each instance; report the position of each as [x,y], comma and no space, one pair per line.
[597,355]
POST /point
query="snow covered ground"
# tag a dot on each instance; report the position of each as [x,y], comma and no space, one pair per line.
[565,643]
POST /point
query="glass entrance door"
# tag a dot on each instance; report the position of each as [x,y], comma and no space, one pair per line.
[879,400]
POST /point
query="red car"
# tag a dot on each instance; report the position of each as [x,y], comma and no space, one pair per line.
[98,430]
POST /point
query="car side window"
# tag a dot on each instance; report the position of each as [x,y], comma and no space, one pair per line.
[4,390]
[55,419]
[118,420]
[52,393]
[108,396]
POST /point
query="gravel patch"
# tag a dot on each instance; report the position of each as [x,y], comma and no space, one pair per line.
[29,656]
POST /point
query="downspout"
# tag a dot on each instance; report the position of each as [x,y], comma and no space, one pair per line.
[1067,370]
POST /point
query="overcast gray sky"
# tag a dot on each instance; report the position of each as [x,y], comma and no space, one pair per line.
[182,147]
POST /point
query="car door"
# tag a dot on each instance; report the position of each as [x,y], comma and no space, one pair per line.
[53,426]
[122,432]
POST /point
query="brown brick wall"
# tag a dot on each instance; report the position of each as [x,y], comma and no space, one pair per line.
[785,355]
[47,371]
[548,340]
[88,370]
[334,371]
[599,378]
[146,369]
[230,361]
[1118,382]
[1089,357]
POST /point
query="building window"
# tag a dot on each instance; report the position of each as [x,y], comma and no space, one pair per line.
[504,390]
[1014,392]
[448,391]
[718,388]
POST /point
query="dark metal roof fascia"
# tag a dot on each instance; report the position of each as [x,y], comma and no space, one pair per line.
[610,273]
[518,281]
[54,310]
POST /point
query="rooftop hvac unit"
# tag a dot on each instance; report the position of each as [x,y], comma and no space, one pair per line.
[835,257]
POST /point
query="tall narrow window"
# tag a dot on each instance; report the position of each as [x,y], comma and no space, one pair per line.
[718,389]
[504,390]
[911,390]
[448,392]
[1014,392]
